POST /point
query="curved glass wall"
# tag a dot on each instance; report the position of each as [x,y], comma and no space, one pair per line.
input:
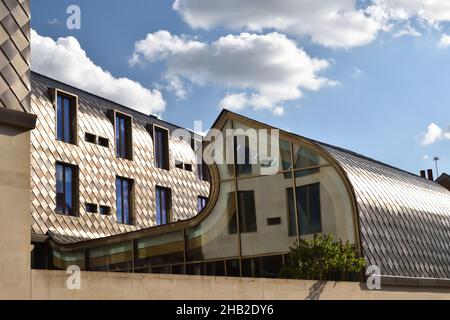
[267,199]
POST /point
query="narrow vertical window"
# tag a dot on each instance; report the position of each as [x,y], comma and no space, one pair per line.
[66,189]
[161,146]
[247,212]
[163,205]
[309,211]
[201,203]
[123,137]
[242,155]
[124,188]
[66,119]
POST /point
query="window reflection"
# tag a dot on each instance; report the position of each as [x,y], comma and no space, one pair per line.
[212,239]
[117,257]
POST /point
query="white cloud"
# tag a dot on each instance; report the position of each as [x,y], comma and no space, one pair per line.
[407,31]
[65,60]
[263,70]
[434,133]
[431,11]
[444,42]
[332,23]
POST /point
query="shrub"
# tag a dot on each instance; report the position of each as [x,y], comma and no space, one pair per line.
[320,258]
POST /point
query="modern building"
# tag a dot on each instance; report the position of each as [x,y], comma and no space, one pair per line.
[110,193]
[107,188]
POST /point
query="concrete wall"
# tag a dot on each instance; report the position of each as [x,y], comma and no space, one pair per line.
[14,213]
[97,285]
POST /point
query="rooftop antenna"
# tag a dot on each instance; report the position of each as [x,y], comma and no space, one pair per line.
[436,159]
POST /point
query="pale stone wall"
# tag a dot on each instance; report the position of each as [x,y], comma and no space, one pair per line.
[98,285]
[14,213]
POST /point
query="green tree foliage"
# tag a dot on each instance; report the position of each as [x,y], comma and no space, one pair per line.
[320,258]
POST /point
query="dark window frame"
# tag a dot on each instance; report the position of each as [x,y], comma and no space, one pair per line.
[130,192]
[162,156]
[74,189]
[123,144]
[60,117]
[161,192]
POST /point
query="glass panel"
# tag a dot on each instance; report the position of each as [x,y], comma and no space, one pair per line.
[162,205]
[126,201]
[117,257]
[60,119]
[201,203]
[160,250]
[254,155]
[178,269]
[291,213]
[247,213]
[68,191]
[60,189]
[223,155]
[119,200]
[264,267]
[123,139]
[215,268]
[325,205]
[271,201]
[233,269]
[117,136]
[305,158]
[196,269]
[211,239]
[67,121]
[62,260]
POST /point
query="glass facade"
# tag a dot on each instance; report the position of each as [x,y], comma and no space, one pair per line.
[255,219]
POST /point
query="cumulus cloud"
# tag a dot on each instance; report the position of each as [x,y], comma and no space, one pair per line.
[65,60]
[262,71]
[332,23]
[434,133]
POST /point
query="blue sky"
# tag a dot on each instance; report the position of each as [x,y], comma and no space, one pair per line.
[378,95]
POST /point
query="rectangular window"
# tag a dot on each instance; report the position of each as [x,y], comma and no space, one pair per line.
[163,205]
[201,203]
[124,148]
[124,194]
[66,189]
[309,213]
[66,123]
[247,211]
[161,146]
[242,155]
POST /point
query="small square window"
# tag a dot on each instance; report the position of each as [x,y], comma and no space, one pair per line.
[188,167]
[91,208]
[105,210]
[91,138]
[273,221]
[103,142]
[178,164]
